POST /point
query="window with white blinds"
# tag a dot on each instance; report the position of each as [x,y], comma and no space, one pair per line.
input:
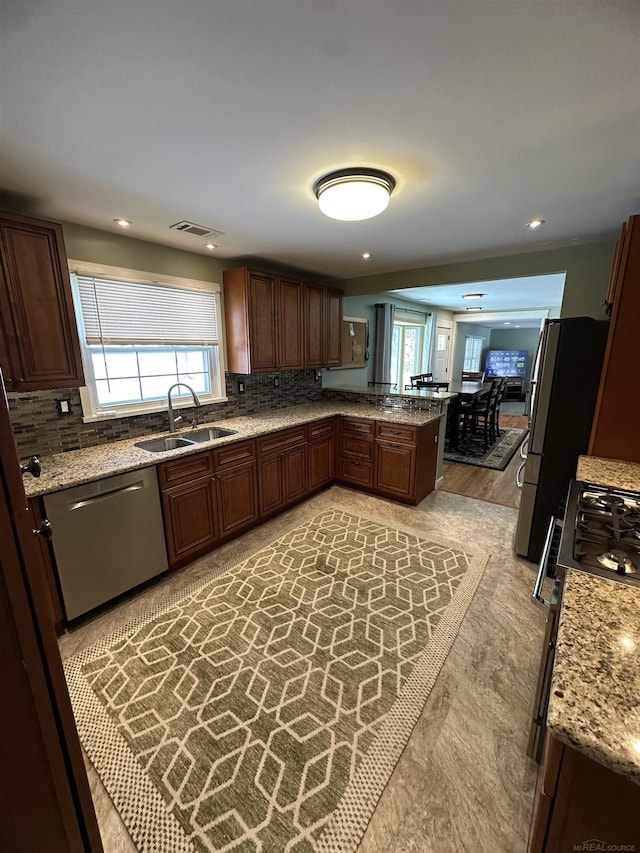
[120,312]
[140,338]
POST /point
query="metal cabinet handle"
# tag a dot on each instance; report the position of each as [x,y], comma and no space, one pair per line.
[32,467]
[542,568]
[519,475]
[45,529]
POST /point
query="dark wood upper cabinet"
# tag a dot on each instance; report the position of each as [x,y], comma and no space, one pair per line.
[39,346]
[614,433]
[274,322]
[314,323]
[333,328]
[290,324]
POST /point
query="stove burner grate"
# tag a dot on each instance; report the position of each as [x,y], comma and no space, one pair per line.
[617,561]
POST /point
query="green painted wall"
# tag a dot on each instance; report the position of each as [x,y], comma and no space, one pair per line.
[117,250]
[362,306]
[586,266]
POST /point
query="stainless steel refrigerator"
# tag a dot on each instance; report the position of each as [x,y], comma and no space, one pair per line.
[565,383]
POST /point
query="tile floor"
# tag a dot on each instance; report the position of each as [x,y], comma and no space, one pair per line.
[463,783]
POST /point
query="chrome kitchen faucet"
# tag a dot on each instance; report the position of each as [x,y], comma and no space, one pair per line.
[173,420]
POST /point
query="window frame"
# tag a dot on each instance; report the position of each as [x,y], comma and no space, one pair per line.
[216,353]
[476,342]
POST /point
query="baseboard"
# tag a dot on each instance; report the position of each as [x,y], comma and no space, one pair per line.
[439,482]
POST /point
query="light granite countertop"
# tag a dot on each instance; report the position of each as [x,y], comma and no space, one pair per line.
[594,705]
[609,472]
[410,393]
[63,470]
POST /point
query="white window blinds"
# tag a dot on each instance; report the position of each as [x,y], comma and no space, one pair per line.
[119,312]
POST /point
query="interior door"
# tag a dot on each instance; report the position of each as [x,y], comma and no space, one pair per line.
[441,362]
[43,784]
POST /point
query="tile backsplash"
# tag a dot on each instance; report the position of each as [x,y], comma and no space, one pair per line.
[39,429]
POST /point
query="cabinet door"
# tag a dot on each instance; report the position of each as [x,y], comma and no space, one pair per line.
[54,601]
[189,520]
[333,328]
[295,473]
[314,323]
[40,327]
[262,322]
[237,498]
[271,483]
[321,463]
[395,469]
[290,319]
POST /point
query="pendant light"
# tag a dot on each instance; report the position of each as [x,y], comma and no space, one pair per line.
[354,194]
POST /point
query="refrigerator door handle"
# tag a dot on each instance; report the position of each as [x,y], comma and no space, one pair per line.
[520,474]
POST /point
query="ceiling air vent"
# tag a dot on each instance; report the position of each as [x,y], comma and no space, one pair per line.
[197,230]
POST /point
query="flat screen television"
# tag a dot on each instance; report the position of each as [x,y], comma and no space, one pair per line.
[506,362]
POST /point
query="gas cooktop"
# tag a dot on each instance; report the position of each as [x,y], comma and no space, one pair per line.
[601,532]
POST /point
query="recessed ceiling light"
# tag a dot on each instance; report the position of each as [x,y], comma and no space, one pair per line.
[366,255]
[353,194]
[535,223]
[123,223]
[516,327]
[211,246]
[472,295]
[475,308]
[507,323]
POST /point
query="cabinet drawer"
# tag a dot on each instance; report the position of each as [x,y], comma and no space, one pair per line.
[183,470]
[282,440]
[234,454]
[353,471]
[357,425]
[320,429]
[356,448]
[396,432]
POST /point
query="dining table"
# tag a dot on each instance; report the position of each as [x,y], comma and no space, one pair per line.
[466,392]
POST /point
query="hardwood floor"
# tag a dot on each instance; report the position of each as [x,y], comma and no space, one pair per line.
[498,487]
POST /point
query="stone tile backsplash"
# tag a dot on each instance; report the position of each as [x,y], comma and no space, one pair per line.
[39,429]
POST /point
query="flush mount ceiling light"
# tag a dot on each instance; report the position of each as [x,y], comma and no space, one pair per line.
[472,295]
[353,194]
[535,223]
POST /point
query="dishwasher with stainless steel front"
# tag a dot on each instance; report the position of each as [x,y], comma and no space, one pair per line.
[108,537]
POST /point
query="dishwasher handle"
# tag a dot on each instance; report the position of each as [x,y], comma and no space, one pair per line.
[103,496]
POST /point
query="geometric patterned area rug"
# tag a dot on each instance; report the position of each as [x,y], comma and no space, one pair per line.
[266,709]
[470,449]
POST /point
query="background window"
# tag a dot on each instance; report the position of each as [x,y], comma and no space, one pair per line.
[139,338]
[472,353]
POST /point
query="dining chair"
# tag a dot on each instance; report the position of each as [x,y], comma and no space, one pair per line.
[502,387]
[472,376]
[433,384]
[420,377]
[483,411]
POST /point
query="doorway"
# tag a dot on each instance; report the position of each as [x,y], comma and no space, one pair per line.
[441,360]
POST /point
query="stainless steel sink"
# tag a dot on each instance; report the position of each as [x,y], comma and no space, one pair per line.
[157,445]
[209,433]
[196,436]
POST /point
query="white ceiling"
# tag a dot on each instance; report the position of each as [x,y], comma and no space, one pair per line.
[487,112]
[524,302]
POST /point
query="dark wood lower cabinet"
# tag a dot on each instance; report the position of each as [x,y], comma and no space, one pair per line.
[54,599]
[580,802]
[395,468]
[215,495]
[237,499]
[189,520]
